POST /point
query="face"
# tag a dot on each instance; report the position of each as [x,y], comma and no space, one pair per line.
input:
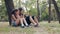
[22,12]
[17,12]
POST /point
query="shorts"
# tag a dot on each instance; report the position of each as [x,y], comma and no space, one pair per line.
[14,23]
[28,19]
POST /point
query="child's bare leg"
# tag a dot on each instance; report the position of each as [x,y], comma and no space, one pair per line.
[36,20]
[32,21]
[17,21]
[25,22]
[21,20]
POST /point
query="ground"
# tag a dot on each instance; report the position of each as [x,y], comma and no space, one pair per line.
[44,28]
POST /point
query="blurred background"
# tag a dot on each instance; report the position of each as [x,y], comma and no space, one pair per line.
[30,8]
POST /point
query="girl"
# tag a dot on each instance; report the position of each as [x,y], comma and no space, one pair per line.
[14,17]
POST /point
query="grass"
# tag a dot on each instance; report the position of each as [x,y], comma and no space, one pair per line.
[52,28]
[44,28]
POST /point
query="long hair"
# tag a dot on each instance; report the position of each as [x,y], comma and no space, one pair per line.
[14,12]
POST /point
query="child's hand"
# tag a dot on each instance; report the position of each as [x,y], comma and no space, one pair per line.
[21,16]
[18,16]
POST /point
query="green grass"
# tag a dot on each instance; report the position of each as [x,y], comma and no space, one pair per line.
[50,28]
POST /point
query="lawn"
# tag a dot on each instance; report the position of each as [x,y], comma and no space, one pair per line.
[44,28]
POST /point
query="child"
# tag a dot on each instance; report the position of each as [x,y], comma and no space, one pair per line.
[22,18]
[29,19]
[14,17]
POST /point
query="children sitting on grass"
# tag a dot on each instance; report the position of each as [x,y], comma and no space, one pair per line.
[29,19]
[18,18]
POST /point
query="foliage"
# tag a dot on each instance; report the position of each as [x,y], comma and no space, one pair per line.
[33,11]
[3,11]
[29,4]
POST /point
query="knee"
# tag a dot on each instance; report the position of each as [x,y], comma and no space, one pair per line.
[30,17]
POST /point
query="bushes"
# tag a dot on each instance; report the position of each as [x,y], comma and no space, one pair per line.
[3,12]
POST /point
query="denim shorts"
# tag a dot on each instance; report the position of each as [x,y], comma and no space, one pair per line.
[14,23]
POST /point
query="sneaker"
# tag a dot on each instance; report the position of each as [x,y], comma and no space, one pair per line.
[27,26]
[22,26]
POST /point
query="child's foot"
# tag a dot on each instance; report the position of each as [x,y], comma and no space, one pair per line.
[36,25]
[27,26]
[22,26]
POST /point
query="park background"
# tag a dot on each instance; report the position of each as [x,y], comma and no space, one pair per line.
[47,12]
[30,7]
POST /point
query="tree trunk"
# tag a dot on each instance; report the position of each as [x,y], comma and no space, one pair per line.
[49,11]
[9,7]
[38,10]
[57,10]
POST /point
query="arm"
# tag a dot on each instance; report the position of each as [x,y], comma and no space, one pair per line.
[16,20]
[13,17]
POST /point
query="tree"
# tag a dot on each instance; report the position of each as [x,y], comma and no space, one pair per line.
[57,10]
[9,6]
[49,11]
[38,10]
